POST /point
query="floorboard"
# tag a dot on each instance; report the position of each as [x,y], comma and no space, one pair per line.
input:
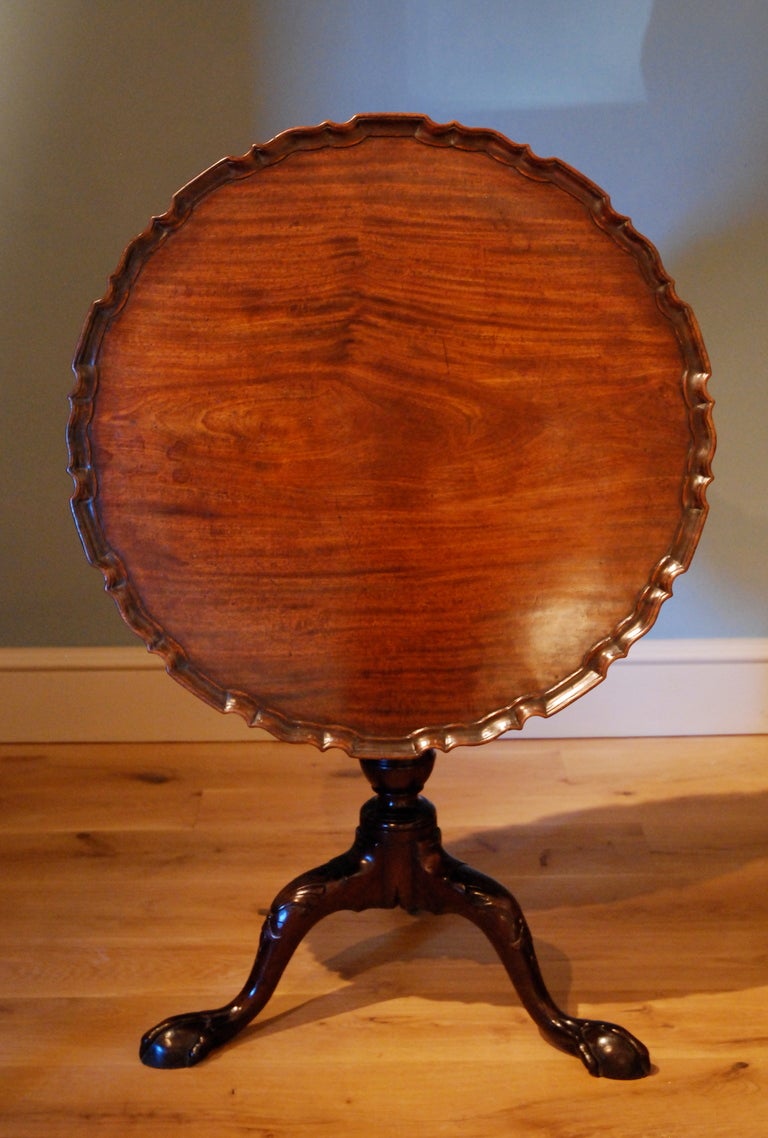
[133,880]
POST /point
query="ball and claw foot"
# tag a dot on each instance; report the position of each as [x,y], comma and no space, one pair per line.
[610,1051]
[605,1049]
[182,1041]
[397,859]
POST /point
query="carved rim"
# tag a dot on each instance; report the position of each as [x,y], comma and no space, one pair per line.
[600,656]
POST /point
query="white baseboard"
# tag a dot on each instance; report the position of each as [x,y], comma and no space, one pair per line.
[664,687]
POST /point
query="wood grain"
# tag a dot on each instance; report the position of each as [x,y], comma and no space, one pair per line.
[390,435]
[642,866]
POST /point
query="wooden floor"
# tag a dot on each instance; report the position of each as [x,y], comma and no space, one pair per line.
[133,877]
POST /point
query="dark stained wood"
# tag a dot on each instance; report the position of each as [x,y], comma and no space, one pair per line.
[642,864]
[397,859]
[390,435]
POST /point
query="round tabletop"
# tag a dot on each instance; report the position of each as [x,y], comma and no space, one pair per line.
[389,435]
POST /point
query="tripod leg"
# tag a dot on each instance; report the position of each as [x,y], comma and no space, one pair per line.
[184,1040]
[604,1048]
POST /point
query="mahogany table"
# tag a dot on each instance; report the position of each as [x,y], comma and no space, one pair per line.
[387,436]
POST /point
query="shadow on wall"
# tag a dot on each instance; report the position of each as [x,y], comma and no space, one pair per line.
[110,108]
[723,272]
[709,104]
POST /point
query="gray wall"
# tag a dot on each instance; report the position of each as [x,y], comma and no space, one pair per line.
[108,106]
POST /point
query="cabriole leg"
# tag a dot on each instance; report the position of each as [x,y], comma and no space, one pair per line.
[397,859]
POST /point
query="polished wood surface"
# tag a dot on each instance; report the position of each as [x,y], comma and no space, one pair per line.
[397,860]
[643,866]
[390,435]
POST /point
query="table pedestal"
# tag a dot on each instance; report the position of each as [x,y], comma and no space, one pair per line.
[397,859]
